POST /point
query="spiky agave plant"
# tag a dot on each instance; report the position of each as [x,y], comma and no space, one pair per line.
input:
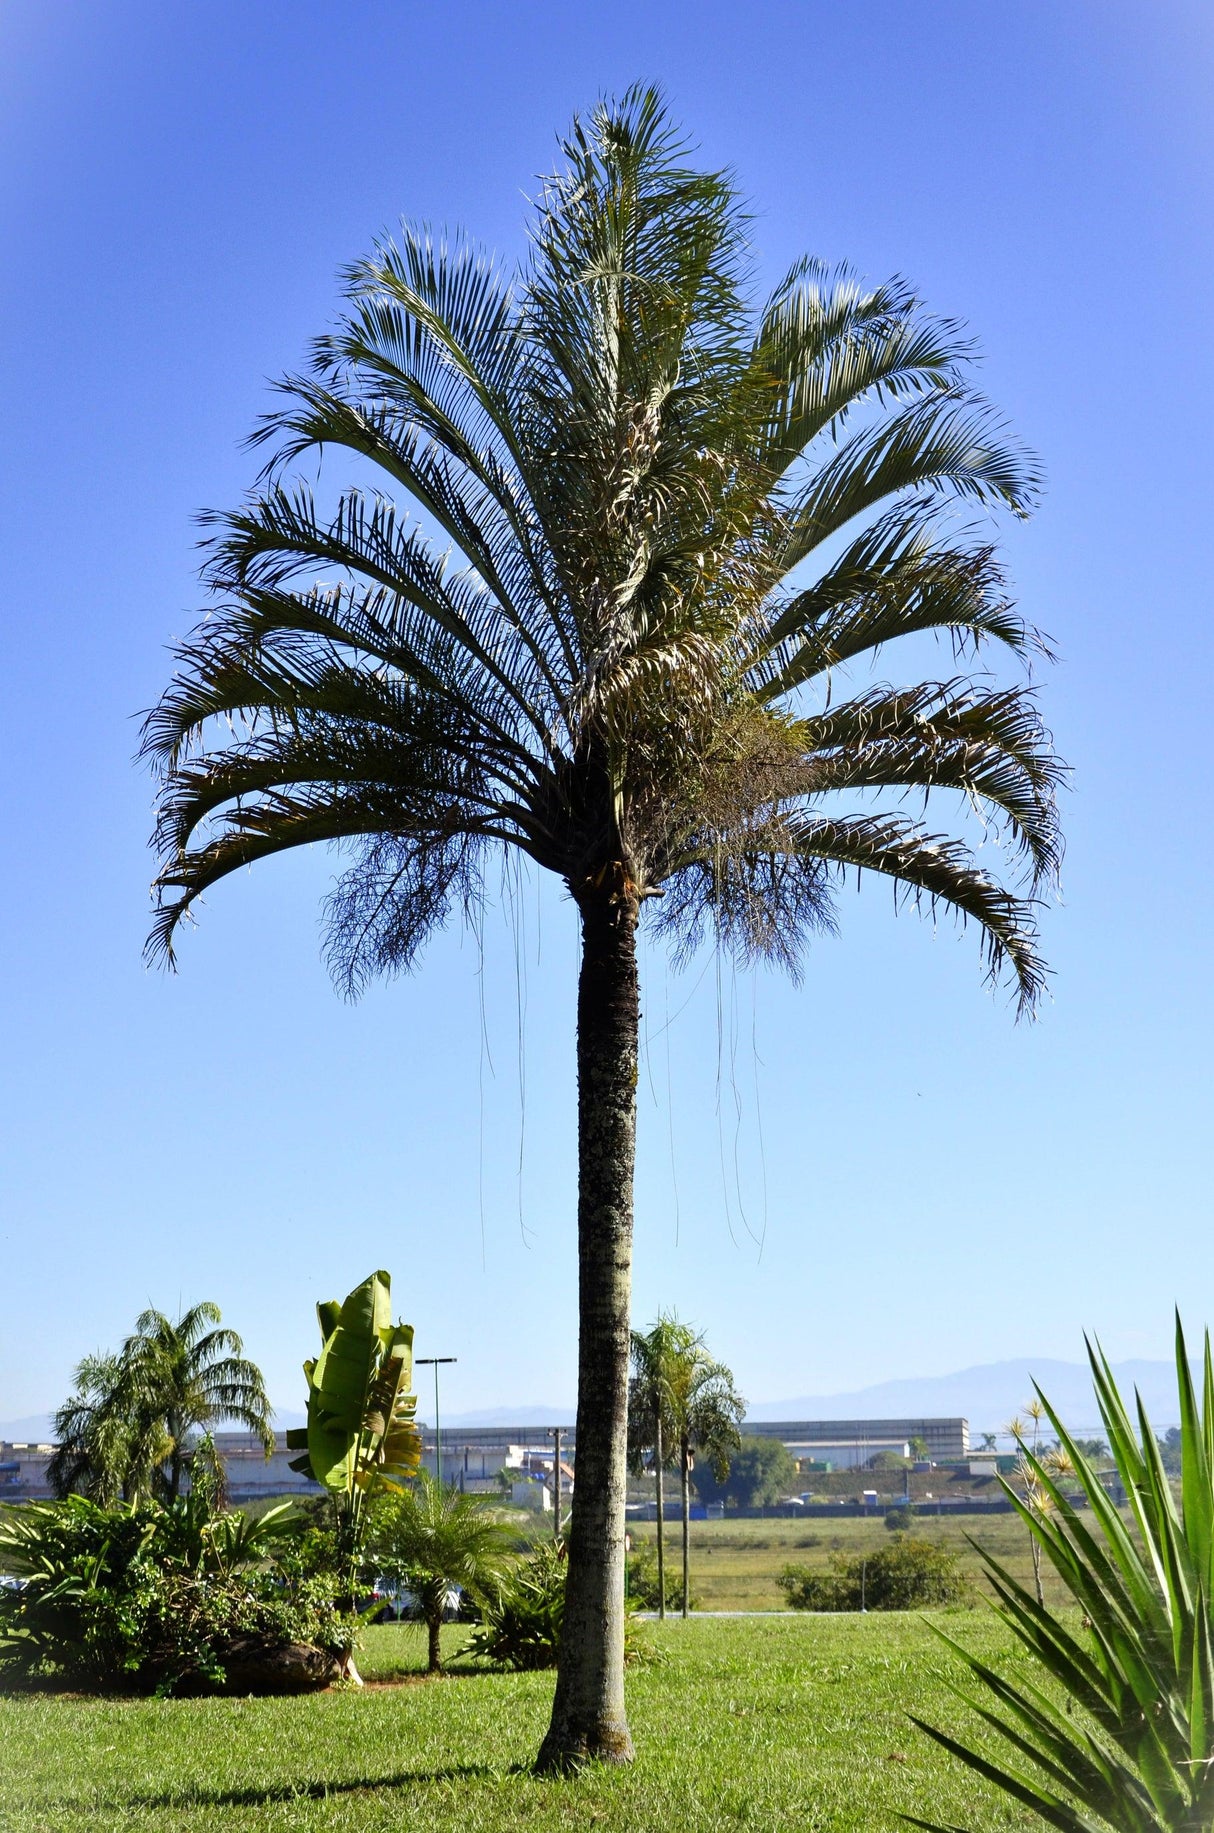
[1120,1731]
[654,532]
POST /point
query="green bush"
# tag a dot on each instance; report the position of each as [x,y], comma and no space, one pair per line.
[907,1574]
[152,1598]
[521,1626]
[898,1520]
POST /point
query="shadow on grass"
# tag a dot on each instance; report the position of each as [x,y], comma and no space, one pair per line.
[315,1791]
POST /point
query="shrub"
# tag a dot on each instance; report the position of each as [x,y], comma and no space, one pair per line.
[145,1598]
[521,1626]
[905,1575]
[898,1520]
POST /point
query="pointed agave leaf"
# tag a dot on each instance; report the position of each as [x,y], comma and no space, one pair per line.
[1135,1745]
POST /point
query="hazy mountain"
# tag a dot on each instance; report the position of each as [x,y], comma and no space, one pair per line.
[503,1416]
[988,1395]
[35,1429]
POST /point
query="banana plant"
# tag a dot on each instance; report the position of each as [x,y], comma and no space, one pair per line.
[1119,1732]
[360,1432]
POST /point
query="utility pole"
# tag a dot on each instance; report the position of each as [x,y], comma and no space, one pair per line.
[556,1484]
[434,1362]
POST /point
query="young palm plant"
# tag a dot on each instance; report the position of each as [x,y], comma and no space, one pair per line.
[1119,1732]
[435,1539]
[611,546]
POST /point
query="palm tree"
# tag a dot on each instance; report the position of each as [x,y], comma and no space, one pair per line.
[104,1449]
[707,1412]
[654,534]
[184,1378]
[652,1437]
[435,1538]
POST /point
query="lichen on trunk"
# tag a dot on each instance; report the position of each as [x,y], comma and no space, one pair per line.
[588,1718]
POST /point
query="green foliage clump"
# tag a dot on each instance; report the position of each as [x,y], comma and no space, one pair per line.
[908,1574]
[898,1520]
[146,1597]
[1130,1744]
[521,1623]
[761,1471]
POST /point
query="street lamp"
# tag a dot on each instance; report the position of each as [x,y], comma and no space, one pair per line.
[434,1362]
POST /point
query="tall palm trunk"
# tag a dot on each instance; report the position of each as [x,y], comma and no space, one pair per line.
[659,1452]
[588,1718]
[684,1476]
[434,1624]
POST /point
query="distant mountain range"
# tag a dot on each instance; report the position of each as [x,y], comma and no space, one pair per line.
[987,1396]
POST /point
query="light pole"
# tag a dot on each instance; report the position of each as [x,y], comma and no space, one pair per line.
[435,1362]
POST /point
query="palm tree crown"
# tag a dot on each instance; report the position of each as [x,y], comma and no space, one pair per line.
[652,537]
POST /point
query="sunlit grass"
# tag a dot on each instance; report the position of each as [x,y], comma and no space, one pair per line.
[785,1722]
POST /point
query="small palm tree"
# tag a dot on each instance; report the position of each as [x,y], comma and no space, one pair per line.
[616,542]
[434,1538]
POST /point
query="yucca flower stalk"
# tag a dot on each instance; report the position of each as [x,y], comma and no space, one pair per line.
[1119,1731]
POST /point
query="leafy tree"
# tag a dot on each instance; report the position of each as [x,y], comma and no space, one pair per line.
[887,1460]
[134,1420]
[761,1470]
[668,529]
[1169,1450]
[433,1538]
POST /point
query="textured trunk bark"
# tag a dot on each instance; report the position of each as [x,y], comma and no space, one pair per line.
[685,1473]
[659,1454]
[434,1625]
[588,1720]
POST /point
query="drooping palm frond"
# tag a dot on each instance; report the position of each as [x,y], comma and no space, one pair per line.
[1119,1733]
[553,610]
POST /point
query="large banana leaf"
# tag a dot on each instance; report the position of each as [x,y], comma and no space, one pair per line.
[1120,1732]
[360,1411]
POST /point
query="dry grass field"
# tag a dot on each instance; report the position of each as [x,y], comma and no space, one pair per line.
[735,1564]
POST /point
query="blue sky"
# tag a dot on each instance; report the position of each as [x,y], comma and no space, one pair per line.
[876,1173]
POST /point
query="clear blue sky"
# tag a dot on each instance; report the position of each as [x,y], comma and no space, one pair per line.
[180,186]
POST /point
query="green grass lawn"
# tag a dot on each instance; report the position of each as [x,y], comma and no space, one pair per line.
[734,1564]
[777,1723]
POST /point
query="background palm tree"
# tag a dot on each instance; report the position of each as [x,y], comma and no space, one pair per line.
[655,534]
[184,1378]
[129,1427]
[104,1447]
[433,1538]
[652,1437]
[707,1412]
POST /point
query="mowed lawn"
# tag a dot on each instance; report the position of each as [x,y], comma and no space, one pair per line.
[735,1564]
[784,1722]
